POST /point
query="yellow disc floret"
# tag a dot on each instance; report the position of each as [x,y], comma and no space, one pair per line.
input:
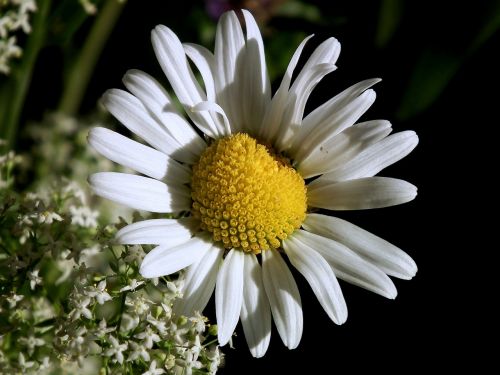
[246,197]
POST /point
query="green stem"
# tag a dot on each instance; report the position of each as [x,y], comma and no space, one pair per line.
[122,308]
[13,94]
[81,71]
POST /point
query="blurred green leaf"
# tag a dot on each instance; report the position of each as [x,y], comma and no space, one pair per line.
[298,9]
[436,68]
[489,28]
[280,49]
[432,72]
[388,21]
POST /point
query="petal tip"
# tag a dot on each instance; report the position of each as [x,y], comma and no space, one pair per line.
[223,337]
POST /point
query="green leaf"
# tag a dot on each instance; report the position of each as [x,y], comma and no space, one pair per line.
[432,72]
[388,21]
[297,9]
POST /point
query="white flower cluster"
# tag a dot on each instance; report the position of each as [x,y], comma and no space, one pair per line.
[71,297]
[57,139]
[14,16]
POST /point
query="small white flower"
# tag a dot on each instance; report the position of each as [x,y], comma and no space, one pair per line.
[31,342]
[22,362]
[8,50]
[47,217]
[45,365]
[13,299]
[116,350]
[178,334]
[99,292]
[80,309]
[216,359]
[102,329]
[196,345]
[189,362]
[138,303]
[175,288]
[138,350]
[78,343]
[198,321]
[153,370]
[34,278]
[129,322]
[83,216]
[75,190]
[132,286]
[148,336]
[160,325]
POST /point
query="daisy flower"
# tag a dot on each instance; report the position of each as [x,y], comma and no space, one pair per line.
[245,171]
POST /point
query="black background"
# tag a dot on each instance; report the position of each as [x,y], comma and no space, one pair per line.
[425,327]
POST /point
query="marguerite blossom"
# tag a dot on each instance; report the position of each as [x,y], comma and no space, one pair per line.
[244,172]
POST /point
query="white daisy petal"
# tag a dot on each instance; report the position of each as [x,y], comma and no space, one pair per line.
[376,250]
[255,311]
[320,63]
[284,298]
[165,259]
[156,99]
[375,158]
[157,232]
[131,112]
[363,193]
[347,265]
[204,60]
[229,66]
[139,192]
[199,283]
[297,99]
[336,151]
[274,113]
[137,156]
[332,117]
[229,294]
[216,109]
[326,53]
[328,110]
[320,277]
[257,87]
[172,58]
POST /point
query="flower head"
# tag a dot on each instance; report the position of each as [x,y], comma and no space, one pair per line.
[99,292]
[116,349]
[250,185]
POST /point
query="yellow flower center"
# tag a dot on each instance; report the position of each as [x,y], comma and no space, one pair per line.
[245,196]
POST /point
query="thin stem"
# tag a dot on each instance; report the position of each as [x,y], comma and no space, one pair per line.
[13,94]
[79,75]
[122,308]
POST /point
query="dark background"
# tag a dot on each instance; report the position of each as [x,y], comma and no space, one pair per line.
[437,64]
